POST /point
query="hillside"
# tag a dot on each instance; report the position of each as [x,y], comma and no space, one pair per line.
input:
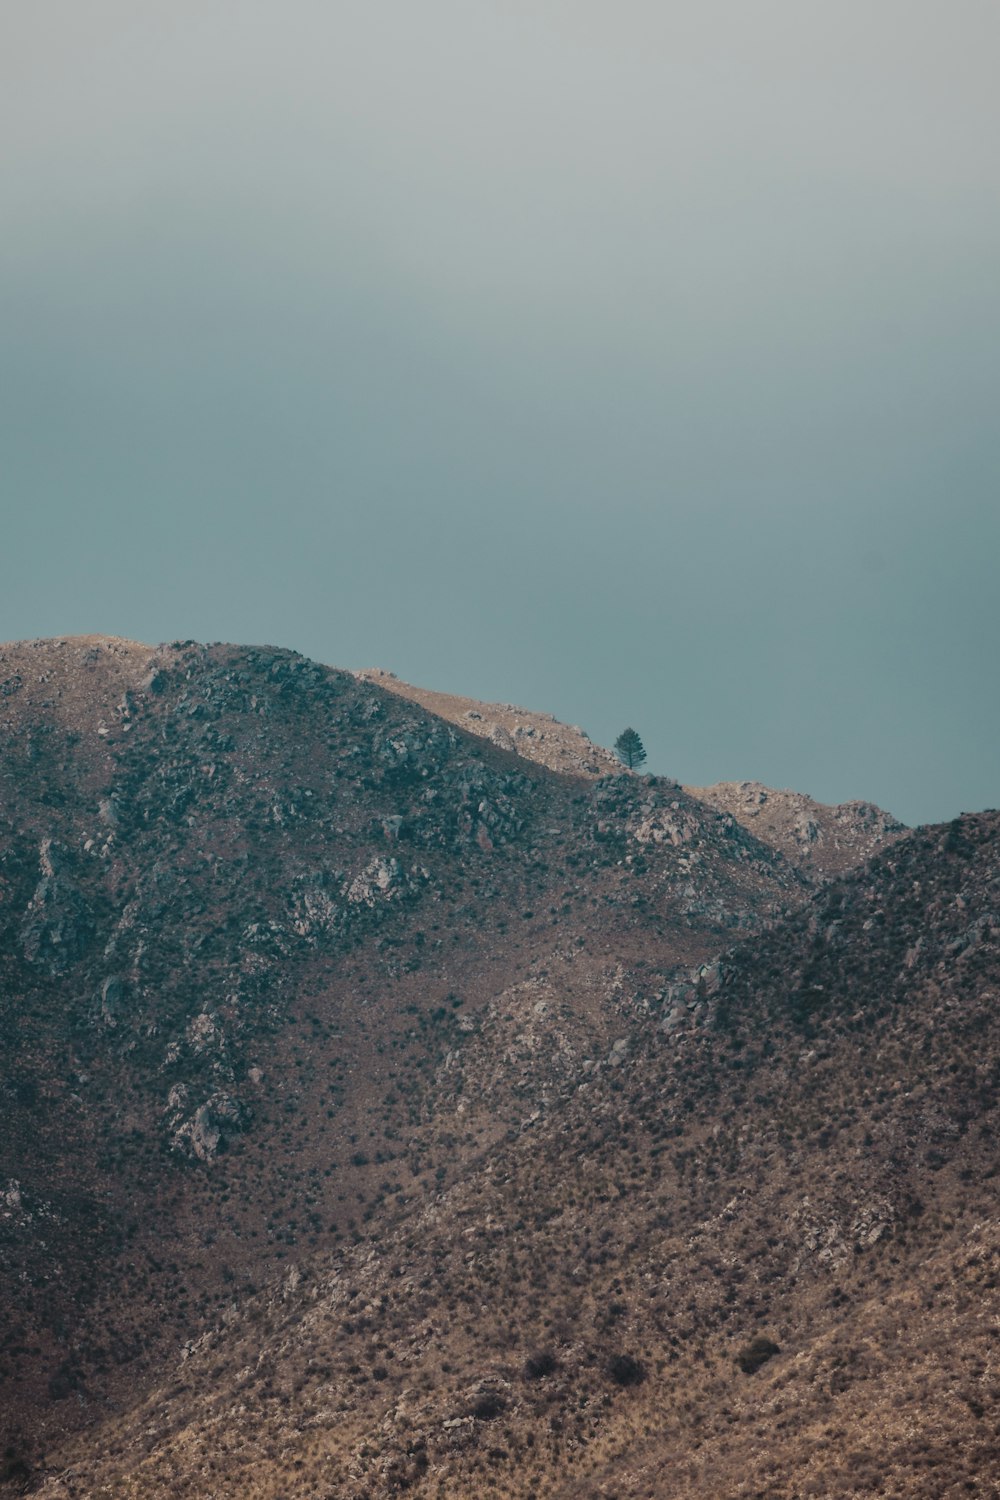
[535,736]
[821,839]
[387,1111]
[251,912]
[824,840]
[759,1256]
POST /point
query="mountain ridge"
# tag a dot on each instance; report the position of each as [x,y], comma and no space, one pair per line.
[829,838]
[233,882]
[389,1111]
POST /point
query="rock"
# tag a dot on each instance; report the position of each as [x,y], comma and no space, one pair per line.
[108,812]
[112,1001]
[661,828]
[177,1099]
[380,879]
[206,1134]
[57,925]
[202,1031]
[315,914]
[51,857]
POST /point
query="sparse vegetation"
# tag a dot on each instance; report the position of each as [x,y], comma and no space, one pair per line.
[464,1242]
[543,1362]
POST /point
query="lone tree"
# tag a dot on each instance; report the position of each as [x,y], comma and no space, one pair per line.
[629,749]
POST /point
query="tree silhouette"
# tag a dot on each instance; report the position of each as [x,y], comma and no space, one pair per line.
[629,749]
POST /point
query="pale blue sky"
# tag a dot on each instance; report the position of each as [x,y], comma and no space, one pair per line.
[636,362]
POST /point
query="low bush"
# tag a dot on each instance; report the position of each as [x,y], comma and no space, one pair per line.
[755,1354]
[625,1369]
[541,1363]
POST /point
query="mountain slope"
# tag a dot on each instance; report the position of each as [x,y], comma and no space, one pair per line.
[280,954]
[536,736]
[757,1255]
[823,840]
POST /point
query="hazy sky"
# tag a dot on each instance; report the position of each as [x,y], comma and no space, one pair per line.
[638,361]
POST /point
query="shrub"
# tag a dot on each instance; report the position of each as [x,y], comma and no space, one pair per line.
[488,1406]
[755,1354]
[625,1369]
[541,1363]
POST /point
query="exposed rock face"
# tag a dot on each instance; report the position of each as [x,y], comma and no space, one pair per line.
[58,923]
[212,1126]
[112,1001]
[379,880]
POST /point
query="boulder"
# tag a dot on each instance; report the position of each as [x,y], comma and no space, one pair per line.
[208,1130]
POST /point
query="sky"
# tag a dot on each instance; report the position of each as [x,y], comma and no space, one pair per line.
[638,363]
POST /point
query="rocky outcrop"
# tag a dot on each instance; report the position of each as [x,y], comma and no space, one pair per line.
[380,880]
[827,840]
[212,1125]
[112,1001]
[58,924]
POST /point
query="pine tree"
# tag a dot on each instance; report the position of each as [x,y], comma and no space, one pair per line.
[629,749]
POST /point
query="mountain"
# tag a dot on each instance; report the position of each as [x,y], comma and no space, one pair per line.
[252,911]
[387,1112]
[826,840]
[756,1255]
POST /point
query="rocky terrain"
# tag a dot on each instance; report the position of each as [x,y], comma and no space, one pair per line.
[252,910]
[826,840]
[388,1112]
[535,736]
